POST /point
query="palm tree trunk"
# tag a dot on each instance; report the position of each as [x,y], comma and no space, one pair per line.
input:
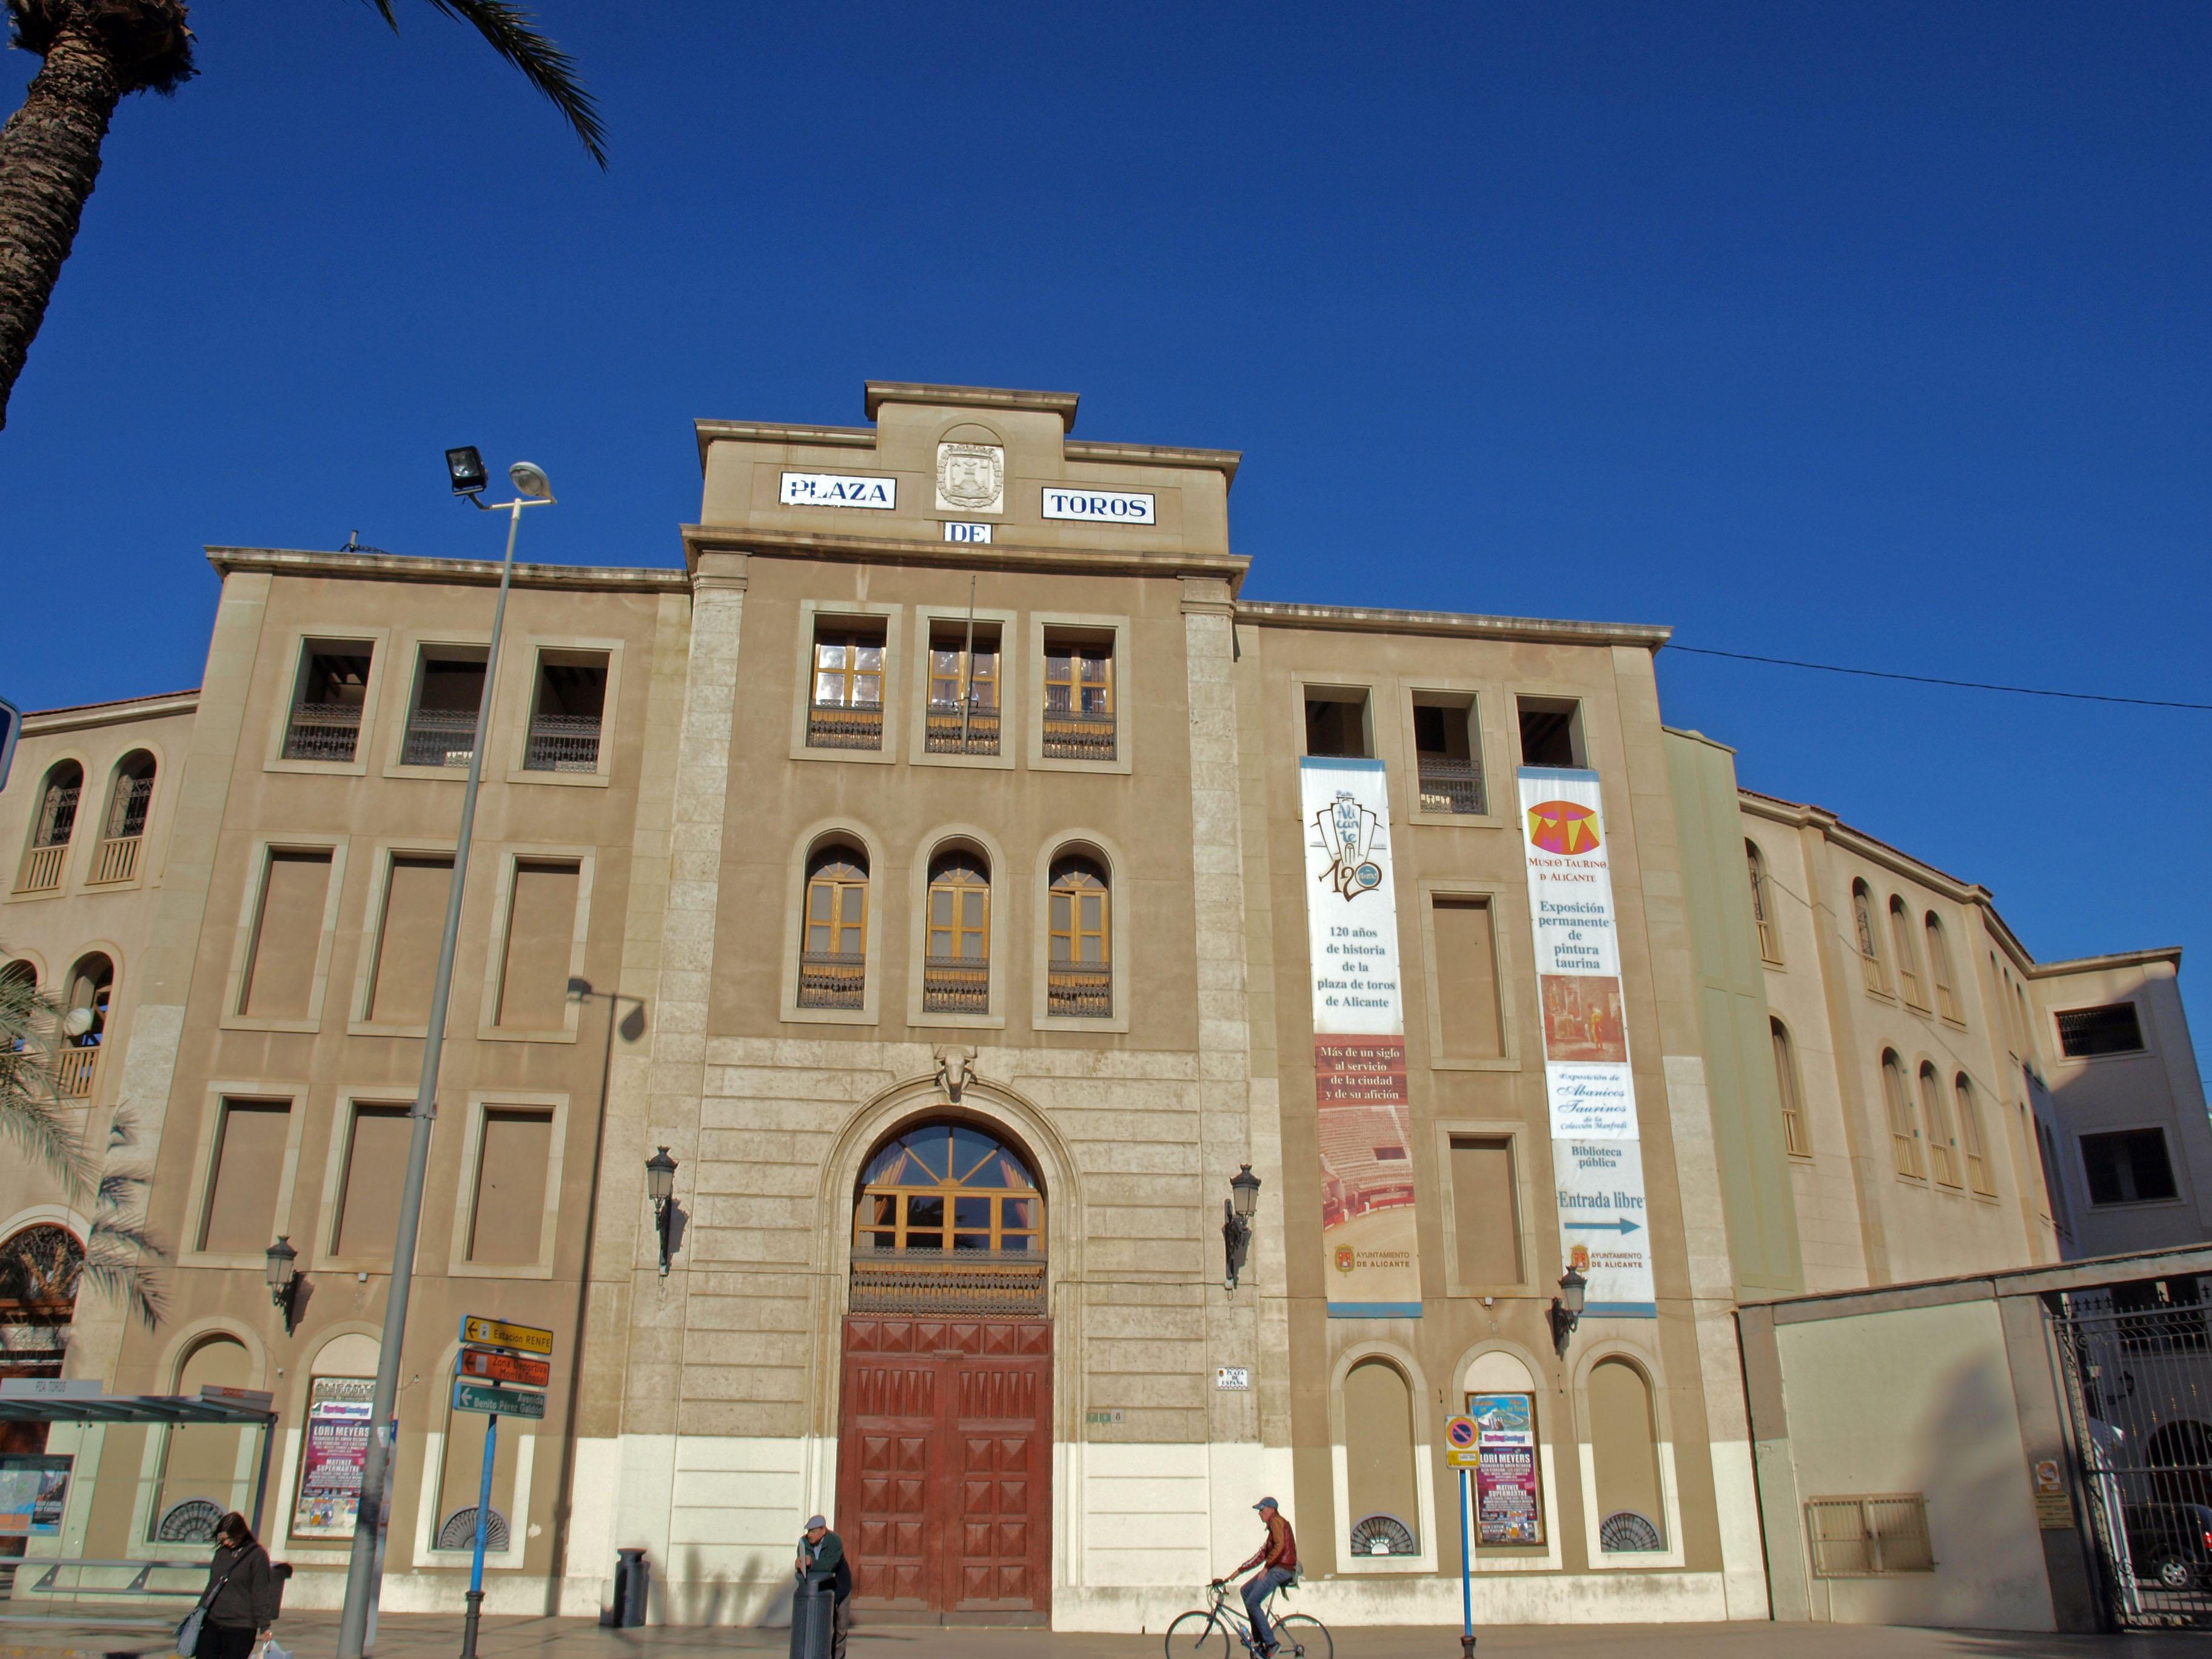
[49,161]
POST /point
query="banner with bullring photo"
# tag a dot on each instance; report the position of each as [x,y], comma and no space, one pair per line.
[1597,1160]
[1371,1251]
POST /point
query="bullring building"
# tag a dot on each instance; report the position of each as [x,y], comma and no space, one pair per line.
[974,894]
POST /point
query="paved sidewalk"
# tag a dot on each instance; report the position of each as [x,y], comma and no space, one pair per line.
[437,1636]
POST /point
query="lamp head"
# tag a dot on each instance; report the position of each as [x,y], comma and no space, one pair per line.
[660,1176]
[1245,1185]
[466,469]
[1573,1287]
[76,1022]
[280,1271]
[531,480]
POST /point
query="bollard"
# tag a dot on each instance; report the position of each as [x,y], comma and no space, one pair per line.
[633,1584]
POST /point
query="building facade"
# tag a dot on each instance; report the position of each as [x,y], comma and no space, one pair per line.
[966,886]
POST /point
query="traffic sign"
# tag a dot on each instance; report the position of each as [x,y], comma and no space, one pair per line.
[494,1366]
[1463,1448]
[495,1334]
[499,1402]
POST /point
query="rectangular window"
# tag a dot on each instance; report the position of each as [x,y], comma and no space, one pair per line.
[2130,1167]
[288,934]
[442,722]
[1336,723]
[407,939]
[247,1169]
[327,700]
[509,1208]
[1468,1017]
[847,708]
[2115,1030]
[369,1188]
[1551,732]
[541,932]
[964,689]
[1078,696]
[1869,1537]
[1486,1209]
[1447,753]
[564,717]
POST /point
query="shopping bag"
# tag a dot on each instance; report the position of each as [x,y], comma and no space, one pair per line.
[272,1651]
[188,1631]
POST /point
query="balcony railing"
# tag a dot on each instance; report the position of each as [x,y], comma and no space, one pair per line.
[845,725]
[951,1283]
[323,732]
[832,979]
[955,985]
[117,860]
[77,1073]
[563,743]
[1078,993]
[947,735]
[439,737]
[1077,736]
[42,869]
[1450,785]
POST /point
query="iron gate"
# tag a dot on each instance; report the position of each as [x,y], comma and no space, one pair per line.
[2138,1373]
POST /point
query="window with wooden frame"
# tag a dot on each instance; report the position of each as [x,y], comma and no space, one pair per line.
[833,960]
[1941,971]
[964,689]
[1869,951]
[1869,1537]
[50,829]
[130,798]
[1080,925]
[1904,1133]
[1972,1136]
[955,968]
[949,1187]
[1078,696]
[1789,1091]
[1908,965]
[847,709]
[1942,1142]
[1762,906]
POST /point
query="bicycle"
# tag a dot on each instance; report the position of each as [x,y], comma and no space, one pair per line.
[1298,1635]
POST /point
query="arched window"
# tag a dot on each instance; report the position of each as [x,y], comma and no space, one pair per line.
[955,969]
[19,1006]
[1904,1133]
[1080,974]
[1378,1455]
[1790,1092]
[1625,1450]
[206,1470]
[1942,1143]
[1971,1136]
[1869,951]
[1762,905]
[84,1024]
[129,799]
[51,824]
[833,962]
[39,1267]
[1940,970]
[1908,971]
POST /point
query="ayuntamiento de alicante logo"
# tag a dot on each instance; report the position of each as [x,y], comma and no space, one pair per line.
[1560,826]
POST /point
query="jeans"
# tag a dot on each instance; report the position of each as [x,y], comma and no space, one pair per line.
[1257,1589]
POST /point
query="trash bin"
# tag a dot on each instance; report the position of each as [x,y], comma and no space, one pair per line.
[813,1617]
[633,1584]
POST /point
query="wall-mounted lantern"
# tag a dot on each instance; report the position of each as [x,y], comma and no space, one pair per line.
[660,1187]
[1567,1310]
[1236,1212]
[282,1272]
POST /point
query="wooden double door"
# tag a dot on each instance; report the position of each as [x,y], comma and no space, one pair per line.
[944,1463]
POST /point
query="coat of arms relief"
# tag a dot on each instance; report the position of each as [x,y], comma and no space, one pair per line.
[971,477]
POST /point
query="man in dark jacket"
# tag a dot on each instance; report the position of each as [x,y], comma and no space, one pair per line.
[822,1560]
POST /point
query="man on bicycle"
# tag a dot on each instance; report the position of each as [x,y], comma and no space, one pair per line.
[1277,1561]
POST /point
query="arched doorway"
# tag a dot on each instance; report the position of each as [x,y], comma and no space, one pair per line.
[945,1459]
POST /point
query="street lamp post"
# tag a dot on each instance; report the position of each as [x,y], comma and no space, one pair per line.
[465,469]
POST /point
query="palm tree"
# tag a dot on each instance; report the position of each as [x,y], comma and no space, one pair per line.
[118,1256]
[97,53]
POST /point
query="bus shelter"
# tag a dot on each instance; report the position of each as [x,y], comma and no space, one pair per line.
[111,1519]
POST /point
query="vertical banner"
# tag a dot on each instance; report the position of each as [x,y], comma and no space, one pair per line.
[1597,1163]
[1368,1239]
[331,1456]
[1507,1510]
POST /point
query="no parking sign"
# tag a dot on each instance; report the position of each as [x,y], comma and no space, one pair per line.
[1461,1438]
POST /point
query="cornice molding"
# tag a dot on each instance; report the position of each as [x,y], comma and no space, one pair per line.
[1223,461]
[1352,619]
[961,555]
[877,393]
[2170,954]
[466,573]
[708,433]
[84,716]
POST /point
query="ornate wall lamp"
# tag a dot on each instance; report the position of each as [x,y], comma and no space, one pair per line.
[1567,1310]
[660,1187]
[282,1272]
[1237,1222]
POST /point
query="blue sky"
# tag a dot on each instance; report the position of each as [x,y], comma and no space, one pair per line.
[1871,334]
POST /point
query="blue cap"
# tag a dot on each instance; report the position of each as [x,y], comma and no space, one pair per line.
[814,1520]
[1266,1503]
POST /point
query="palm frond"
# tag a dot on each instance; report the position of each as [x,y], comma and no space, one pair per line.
[32,1111]
[513,33]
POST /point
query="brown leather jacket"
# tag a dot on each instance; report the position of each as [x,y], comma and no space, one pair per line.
[1281,1549]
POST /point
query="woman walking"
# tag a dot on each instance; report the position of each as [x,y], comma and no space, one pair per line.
[240,1596]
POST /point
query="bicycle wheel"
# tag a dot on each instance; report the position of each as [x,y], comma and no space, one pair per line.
[1302,1636]
[1195,1633]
